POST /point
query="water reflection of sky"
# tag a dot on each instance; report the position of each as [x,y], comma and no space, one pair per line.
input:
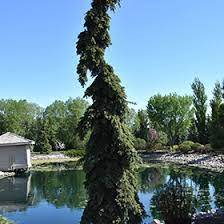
[145,198]
[46,213]
[59,197]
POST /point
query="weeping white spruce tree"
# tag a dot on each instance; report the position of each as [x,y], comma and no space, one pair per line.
[111,159]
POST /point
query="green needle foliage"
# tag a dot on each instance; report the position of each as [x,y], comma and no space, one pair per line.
[42,144]
[111,159]
[200,105]
[215,103]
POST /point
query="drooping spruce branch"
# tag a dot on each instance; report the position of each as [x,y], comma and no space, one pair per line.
[111,159]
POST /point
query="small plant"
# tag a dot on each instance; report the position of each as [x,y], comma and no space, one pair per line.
[159,147]
[188,146]
[208,148]
[175,148]
[190,143]
[185,148]
[204,148]
[140,144]
[201,149]
[196,146]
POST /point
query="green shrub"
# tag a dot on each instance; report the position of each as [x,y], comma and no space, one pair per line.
[201,149]
[190,143]
[208,148]
[140,144]
[175,148]
[188,146]
[75,153]
[159,147]
[163,139]
[185,147]
[204,149]
[196,146]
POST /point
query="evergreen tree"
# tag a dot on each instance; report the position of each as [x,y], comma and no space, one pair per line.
[42,143]
[111,159]
[193,135]
[131,119]
[223,89]
[215,105]
[221,127]
[142,129]
[199,100]
[216,101]
[217,138]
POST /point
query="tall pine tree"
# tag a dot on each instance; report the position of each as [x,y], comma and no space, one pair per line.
[199,100]
[216,130]
[42,137]
[111,159]
[143,128]
[216,102]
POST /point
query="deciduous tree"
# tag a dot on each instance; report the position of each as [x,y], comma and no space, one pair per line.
[63,119]
[171,114]
[18,116]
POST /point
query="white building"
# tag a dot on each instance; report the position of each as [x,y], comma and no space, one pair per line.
[15,152]
[15,194]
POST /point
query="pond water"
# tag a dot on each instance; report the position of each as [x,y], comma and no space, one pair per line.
[59,196]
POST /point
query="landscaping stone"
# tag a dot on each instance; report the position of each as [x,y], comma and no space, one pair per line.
[211,217]
[156,221]
[6,174]
[208,161]
[49,156]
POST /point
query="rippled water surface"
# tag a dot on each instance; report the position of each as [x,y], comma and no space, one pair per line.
[59,196]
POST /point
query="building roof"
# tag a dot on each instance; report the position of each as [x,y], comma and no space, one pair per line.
[13,139]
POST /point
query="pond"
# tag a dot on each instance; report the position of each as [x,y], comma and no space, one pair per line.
[59,196]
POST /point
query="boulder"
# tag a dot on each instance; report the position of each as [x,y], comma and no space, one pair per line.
[156,221]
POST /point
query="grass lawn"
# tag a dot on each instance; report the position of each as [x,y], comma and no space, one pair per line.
[49,161]
[56,164]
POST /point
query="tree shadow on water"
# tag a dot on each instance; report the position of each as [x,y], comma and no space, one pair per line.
[174,202]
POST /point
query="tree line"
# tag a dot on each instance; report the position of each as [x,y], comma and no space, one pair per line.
[52,128]
[168,120]
[172,119]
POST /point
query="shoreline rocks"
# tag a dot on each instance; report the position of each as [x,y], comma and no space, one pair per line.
[156,221]
[6,174]
[214,216]
[207,161]
[49,156]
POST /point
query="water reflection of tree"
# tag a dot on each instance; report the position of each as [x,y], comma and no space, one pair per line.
[64,188]
[218,183]
[151,178]
[203,197]
[174,202]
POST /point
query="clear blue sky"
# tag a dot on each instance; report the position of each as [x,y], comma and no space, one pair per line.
[158,46]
